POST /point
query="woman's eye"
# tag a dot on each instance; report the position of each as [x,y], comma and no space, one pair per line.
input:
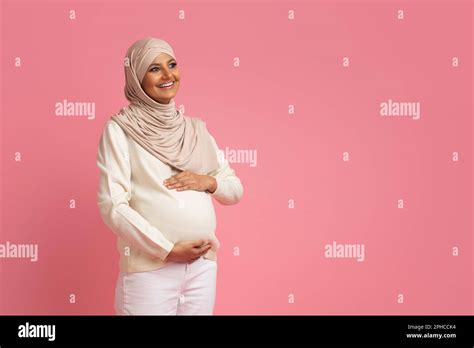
[153,69]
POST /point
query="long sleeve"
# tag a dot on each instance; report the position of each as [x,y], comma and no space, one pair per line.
[229,188]
[114,194]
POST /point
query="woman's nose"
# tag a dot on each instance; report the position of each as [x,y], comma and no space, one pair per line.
[166,74]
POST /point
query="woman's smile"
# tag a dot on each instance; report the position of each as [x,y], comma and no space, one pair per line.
[166,85]
[161,72]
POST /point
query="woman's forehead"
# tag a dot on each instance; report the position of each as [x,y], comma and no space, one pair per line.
[162,58]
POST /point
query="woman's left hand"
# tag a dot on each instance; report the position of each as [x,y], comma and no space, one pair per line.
[187,180]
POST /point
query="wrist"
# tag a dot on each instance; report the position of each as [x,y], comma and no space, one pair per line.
[170,254]
[212,184]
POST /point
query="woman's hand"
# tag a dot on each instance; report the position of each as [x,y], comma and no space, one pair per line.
[188,251]
[187,180]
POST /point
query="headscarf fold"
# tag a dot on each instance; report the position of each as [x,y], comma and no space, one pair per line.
[180,141]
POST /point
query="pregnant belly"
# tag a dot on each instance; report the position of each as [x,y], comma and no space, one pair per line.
[186,215]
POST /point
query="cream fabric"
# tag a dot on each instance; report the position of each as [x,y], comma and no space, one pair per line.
[147,217]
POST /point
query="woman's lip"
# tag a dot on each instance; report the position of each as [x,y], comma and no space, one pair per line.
[174,82]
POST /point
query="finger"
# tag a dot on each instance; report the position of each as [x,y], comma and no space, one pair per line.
[171,180]
[186,187]
[205,250]
[199,242]
[204,242]
[205,247]
[178,176]
[198,251]
[182,183]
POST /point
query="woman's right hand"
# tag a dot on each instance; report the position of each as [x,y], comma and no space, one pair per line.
[188,251]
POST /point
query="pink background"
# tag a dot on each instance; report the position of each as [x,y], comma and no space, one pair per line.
[299,62]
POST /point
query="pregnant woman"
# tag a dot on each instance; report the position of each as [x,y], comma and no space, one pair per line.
[159,170]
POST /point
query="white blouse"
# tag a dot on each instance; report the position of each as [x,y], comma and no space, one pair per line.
[147,217]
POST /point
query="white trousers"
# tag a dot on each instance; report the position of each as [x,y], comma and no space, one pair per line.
[175,289]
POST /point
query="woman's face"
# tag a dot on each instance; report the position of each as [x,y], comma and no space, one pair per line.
[162,70]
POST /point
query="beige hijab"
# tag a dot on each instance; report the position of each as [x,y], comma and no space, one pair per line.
[177,140]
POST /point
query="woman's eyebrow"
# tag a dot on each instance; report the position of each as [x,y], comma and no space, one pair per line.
[160,64]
